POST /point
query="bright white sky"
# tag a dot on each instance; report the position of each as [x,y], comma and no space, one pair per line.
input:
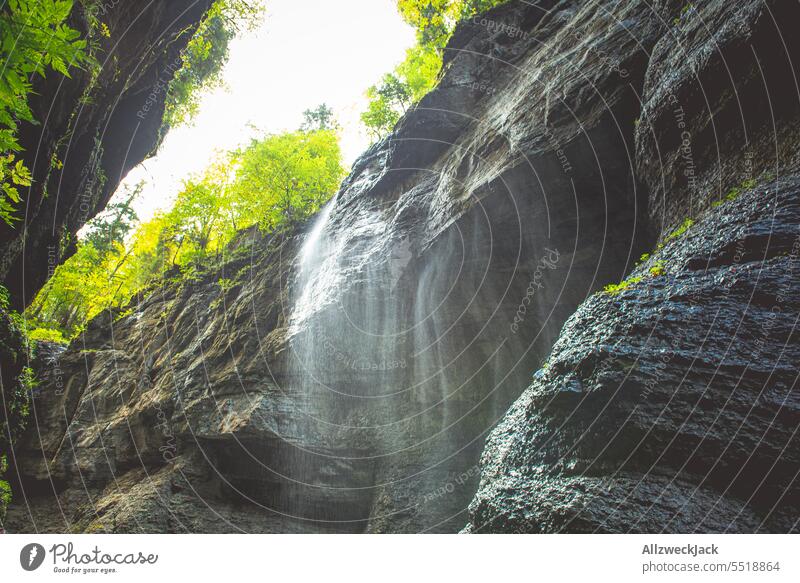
[306,52]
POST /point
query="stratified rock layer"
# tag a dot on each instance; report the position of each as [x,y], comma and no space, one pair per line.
[671,406]
[93,127]
[348,378]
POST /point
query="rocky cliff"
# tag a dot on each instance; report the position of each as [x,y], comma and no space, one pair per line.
[91,129]
[98,124]
[348,378]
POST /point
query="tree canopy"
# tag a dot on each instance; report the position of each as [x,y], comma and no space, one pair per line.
[417,74]
[319,118]
[34,39]
[205,54]
[273,182]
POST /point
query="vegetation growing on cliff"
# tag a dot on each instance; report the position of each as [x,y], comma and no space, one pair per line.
[35,40]
[18,380]
[205,54]
[273,182]
[416,75]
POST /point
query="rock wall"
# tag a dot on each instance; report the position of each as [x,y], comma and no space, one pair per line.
[672,406]
[99,127]
[98,124]
[348,379]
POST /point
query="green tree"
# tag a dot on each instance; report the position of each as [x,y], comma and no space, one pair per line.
[114,223]
[287,177]
[196,214]
[398,91]
[273,182]
[319,118]
[33,39]
[416,75]
[205,55]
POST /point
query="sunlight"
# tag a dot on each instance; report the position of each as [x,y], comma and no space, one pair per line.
[304,54]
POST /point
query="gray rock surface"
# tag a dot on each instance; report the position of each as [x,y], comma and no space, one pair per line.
[99,128]
[671,406]
[349,378]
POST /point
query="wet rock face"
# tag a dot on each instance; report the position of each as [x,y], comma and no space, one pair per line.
[348,382]
[671,406]
[348,379]
[98,131]
[719,105]
[134,425]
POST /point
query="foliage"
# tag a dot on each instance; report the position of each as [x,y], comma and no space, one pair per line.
[734,192]
[79,292]
[27,380]
[114,223]
[615,288]
[204,56]
[47,335]
[76,291]
[687,8]
[12,175]
[685,226]
[416,75]
[273,182]
[399,90]
[286,178]
[5,489]
[34,39]
[225,284]
[5,298]
[17,383]
[319,118]
[435,20]
[658,268]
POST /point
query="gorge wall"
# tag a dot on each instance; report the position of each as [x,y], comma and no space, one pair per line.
[347,381]
[92,128]
[99,123]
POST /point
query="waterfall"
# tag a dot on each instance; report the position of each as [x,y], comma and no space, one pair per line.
[400,359]
[317,276]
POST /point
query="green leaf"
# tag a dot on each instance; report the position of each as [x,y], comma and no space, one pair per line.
[59,66]
[21,174]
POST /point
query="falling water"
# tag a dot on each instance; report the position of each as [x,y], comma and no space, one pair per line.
[400,360]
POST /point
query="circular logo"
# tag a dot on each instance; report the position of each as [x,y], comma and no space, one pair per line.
[31,556]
